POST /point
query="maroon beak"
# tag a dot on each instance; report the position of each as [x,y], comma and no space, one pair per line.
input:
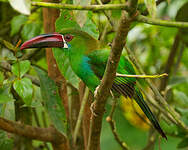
[44,41]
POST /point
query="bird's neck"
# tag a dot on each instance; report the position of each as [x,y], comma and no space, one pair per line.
[80,65]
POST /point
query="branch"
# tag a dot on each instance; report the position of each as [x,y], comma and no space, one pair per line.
[37,133]
[159,22]
[103,90]
[80,7]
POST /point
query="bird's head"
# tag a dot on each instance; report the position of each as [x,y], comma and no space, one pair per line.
[65,39]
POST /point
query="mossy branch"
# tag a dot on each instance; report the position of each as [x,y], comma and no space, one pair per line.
[80,7]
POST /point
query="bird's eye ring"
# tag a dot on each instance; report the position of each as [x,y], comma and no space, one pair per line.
[68,37]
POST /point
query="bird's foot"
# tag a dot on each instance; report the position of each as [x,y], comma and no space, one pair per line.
[96,90]
[92,107]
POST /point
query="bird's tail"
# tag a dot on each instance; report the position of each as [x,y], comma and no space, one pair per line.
[140,101]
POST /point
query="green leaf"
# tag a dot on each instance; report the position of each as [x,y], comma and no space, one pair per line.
[5,98]
[30,30]
[183,143]
[52,100]
[16,24]
[5,142]
[20,68]
[81,16]
[66,20]
[65,67]
[90,27]
[5,95]
[22,6]
[151,6]
[24,88]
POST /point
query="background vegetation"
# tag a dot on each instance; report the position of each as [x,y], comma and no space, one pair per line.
[52,104]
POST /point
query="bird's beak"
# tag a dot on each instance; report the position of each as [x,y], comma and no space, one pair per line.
[44,41]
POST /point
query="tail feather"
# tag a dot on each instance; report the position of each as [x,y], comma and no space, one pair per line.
[140,101]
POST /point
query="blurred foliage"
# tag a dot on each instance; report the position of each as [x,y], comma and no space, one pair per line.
[151,45]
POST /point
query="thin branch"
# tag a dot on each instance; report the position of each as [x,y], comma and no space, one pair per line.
[37,133]
[80,7]
[141,76]
[113,128]
[159,22]
[80,116]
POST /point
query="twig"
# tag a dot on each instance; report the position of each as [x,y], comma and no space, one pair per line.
[141,76]
[159,22]
[80,116]
[113,128]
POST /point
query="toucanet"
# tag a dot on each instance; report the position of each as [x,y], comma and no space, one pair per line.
[88,62]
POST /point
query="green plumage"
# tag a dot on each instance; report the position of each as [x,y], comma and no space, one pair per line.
[89,63]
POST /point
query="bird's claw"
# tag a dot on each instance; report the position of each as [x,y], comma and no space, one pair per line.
[92,108]
[96,90]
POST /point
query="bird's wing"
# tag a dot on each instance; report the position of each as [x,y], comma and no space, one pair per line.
[122,85]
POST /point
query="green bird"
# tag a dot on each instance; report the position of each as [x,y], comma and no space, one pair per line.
[89,62]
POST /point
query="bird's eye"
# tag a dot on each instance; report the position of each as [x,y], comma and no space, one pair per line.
[68,37]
